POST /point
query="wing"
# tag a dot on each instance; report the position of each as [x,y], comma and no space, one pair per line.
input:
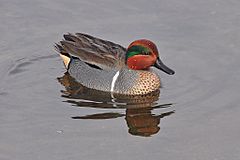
[96,51]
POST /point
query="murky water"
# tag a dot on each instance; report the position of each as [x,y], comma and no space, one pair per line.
[44,114]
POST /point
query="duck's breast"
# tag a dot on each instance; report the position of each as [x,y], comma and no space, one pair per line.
[136,82]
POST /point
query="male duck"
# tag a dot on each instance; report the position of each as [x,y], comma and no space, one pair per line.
[106,66]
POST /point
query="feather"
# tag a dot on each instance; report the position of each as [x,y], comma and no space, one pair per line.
[102,53]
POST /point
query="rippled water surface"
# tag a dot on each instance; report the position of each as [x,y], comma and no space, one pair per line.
[45,114]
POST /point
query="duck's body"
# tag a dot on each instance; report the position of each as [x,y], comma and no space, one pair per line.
[106,66]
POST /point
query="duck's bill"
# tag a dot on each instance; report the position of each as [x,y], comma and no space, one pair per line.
[159,64]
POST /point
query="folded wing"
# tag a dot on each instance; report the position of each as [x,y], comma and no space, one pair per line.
[102,53]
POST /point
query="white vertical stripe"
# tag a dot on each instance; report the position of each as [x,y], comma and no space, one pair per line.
[113,82]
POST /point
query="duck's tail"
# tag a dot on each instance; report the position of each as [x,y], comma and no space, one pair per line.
[66,57]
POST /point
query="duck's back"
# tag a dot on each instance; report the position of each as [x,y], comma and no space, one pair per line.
[93,50]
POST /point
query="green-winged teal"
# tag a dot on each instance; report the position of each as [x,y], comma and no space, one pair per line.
[106,66]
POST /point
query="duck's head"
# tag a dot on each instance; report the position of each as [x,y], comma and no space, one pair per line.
[142,54]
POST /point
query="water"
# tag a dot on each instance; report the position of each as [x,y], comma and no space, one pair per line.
[196,115]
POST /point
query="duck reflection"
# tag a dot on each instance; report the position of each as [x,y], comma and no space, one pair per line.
[139,117]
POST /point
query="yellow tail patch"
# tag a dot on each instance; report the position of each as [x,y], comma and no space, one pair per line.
[66,60]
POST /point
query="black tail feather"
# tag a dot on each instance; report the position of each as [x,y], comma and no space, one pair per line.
[59,48]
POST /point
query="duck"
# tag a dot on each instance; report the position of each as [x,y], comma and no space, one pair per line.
[108,67]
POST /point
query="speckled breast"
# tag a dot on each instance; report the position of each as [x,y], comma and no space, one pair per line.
[123,81]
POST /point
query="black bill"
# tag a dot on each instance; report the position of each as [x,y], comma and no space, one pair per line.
[159,64]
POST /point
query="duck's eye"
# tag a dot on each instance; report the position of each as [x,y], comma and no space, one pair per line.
[145,53]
